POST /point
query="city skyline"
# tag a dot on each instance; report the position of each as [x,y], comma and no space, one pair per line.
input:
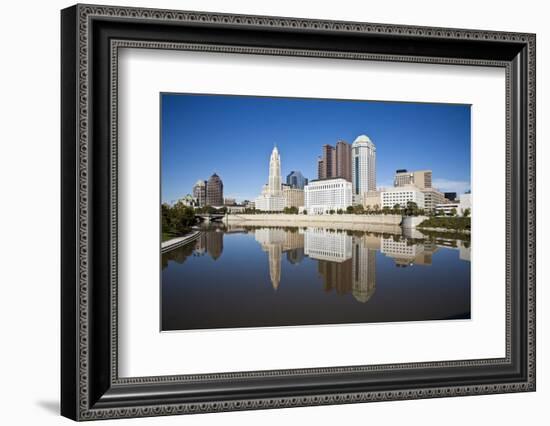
[233,135]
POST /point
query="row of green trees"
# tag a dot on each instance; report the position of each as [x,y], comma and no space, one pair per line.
[176,220]
[411,210]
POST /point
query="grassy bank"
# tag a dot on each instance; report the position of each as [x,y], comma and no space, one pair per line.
[450,234]
[458,224]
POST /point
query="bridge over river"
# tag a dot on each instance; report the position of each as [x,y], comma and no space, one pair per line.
[208,217]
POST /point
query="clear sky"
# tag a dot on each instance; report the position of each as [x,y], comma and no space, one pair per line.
[233,136]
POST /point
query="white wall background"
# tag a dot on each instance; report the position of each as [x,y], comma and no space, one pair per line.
[29,213]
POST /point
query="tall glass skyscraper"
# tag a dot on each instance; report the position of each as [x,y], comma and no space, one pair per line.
[363,162]
[296,179]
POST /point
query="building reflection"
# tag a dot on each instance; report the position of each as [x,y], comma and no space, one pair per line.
[336,276]
[178,255]
[346,263]
[210,242]
[405,253]
[275,241]
[364,270]
[346,260]
[326,244]
[295,256]
[408,252]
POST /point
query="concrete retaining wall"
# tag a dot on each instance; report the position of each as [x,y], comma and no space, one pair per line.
[314,220]
[412,221]
[174,243]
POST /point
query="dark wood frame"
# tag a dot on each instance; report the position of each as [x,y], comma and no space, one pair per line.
[91,37]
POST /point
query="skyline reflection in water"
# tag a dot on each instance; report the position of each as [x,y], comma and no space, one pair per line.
[268,276]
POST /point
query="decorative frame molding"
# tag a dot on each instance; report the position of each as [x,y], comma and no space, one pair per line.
[91,37]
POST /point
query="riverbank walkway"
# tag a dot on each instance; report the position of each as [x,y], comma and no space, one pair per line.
[173,243]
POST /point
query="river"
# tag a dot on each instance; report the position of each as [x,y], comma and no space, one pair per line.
[233,277]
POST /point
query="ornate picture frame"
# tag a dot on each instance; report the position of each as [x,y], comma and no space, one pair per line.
[91,37]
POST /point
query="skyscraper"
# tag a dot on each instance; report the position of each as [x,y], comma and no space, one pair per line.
[335,162]
[343,160]
[329,161]
[274,182]
[320,168]
[363,154]
[214,191]
[199,192]
[295,179]
[326,164]
[421,178]
[271,198]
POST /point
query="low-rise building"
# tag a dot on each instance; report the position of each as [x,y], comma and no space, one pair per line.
[249,204]
[433,197]
[447,209]
[235,209]
[451,196]
[465,203]
[458,207]
[372,199]
[294,197]
[323,195]
[189,201]
[401,195]
[270,203]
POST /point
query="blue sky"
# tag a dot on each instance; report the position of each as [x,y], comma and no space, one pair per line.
[233,136]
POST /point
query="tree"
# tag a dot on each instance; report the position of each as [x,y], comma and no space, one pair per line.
[340,211]
[331,211]
[466,212]
[305,211]
[411,209]
[453,212]
[349,209]
[177,219]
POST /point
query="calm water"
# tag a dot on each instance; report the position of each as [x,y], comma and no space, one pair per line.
[257,277]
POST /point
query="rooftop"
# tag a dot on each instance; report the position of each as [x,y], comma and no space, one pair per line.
[362,140]
[326,179]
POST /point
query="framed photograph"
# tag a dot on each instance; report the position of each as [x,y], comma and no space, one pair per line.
[263,212]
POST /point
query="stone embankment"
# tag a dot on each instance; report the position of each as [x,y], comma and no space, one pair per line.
[374,223]
[179,241]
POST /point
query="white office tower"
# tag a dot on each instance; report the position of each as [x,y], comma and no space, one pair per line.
[363,167]
[271,198]
[326,195]
[323,244]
